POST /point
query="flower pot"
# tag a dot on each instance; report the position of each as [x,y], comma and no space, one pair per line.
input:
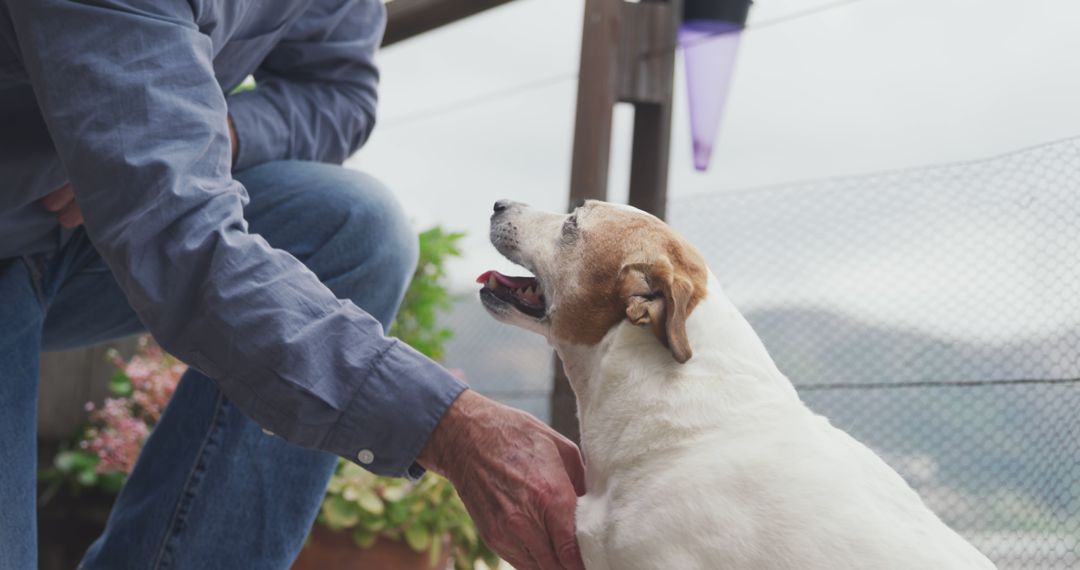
[332,550]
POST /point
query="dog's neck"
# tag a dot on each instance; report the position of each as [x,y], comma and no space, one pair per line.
[634,399]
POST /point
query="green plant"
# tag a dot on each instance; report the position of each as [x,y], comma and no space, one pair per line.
[421,512]
[417,322]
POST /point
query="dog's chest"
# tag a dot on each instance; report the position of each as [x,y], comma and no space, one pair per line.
[592,527]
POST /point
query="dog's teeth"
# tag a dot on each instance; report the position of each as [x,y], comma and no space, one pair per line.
[491,284]
[530,291]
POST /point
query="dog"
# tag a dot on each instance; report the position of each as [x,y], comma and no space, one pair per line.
[699,453]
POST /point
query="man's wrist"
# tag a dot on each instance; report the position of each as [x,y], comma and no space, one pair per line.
[447,439]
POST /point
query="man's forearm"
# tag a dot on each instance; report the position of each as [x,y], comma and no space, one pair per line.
[316,93]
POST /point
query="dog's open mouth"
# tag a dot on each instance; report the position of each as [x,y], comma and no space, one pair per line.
[523,293]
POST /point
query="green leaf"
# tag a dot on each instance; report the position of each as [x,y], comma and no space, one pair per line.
[112,481]
[427,296]
[65,461]
[87,477]
[373,524]
[364,538]
[468,530]
[120,384]
[418,537]
[340,513]
[434,553]
[85,460]
[392,494]
[370,502]
[396,513]
[491,560]
[246,85]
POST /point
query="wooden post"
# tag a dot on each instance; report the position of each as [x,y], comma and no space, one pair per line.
[627,56]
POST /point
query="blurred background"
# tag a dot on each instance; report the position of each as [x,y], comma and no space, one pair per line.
[893,201]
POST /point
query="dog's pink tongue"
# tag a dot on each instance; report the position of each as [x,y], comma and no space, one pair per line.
[505,281]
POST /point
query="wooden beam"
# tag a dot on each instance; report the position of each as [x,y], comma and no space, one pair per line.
[408,18]
[650,157]
[647,30]
[596,97]
[626,56]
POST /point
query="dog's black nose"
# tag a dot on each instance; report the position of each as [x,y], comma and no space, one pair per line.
[501,205]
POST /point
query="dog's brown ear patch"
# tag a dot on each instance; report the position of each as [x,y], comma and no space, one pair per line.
[633,267]
[679,297]
[657,297]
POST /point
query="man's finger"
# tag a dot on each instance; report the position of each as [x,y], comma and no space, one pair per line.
[520,558]
[559,520]
[70,216]
[56,200]
[528,534]
[575,466]
[539,551]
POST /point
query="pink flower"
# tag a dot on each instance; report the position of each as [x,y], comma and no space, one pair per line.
[121,425]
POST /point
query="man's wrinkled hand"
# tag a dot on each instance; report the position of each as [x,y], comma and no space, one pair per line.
[61,202]
[519,479]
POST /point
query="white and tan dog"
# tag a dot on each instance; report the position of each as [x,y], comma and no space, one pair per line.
[699,453]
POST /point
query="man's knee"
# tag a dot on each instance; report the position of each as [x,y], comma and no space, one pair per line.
[376,220]
[346,226]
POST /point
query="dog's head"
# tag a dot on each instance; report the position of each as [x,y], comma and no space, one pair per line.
[595,267]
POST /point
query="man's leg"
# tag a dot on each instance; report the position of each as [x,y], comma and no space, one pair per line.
[210,488]
[21,314]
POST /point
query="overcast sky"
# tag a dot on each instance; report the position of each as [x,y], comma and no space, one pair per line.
[868,86]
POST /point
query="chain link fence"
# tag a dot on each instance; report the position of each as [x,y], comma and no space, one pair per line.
[932,313]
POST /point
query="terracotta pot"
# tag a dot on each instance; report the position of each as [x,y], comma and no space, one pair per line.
[332,550]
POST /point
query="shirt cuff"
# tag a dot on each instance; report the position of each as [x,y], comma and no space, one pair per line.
[261,132]
[392,415]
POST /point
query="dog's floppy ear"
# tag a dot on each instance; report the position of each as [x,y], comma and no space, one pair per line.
[656,297]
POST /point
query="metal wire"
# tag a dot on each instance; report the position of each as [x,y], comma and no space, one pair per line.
[934,314]
[513,91]
[935,384]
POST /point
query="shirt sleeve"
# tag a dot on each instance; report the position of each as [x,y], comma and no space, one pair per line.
[129,97]
[315,93]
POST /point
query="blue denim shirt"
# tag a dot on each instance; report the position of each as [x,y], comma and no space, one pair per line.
[126,100]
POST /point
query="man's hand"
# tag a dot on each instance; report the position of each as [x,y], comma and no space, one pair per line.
[519,479]
[61,202]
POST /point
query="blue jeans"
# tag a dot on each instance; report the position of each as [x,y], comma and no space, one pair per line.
[210,489]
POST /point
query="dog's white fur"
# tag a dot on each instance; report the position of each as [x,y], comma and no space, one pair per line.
[716,463]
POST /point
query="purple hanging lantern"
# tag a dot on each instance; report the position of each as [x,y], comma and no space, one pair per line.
[709,37]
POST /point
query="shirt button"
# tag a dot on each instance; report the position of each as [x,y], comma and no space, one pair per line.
[365,456]
[268,432]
